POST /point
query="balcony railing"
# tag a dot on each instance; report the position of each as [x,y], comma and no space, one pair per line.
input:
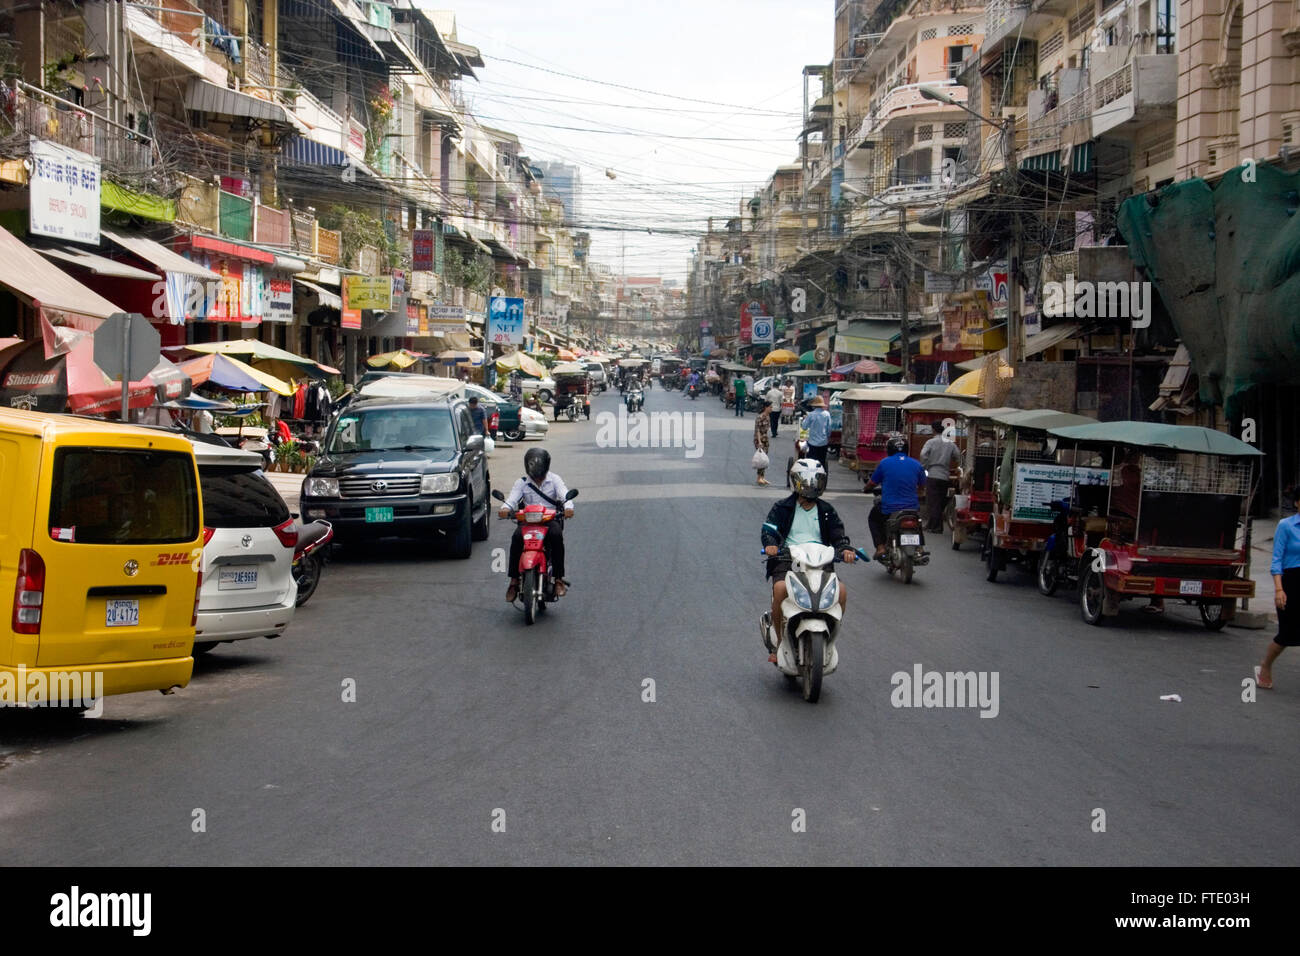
[34,112]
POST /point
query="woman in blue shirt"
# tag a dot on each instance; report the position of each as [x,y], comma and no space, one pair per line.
[1286,591]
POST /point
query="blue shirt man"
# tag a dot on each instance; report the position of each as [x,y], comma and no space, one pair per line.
[900,478]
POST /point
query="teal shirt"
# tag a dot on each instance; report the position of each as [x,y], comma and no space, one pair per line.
[805,529]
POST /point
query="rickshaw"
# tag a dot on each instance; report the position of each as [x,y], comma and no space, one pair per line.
[631,368]
[870,416]
[1155,511]
[572,391]
[973,503]
[1021,522]
[670,372]
[919,414]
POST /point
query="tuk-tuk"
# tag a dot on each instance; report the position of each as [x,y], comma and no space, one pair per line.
[919,415]
[572,391]
[1021,523]
[629,369]
[973,503]
[871,415]
[670,372]
[831,393]
[1150,510]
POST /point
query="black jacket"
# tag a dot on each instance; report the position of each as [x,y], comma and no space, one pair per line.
[779,519]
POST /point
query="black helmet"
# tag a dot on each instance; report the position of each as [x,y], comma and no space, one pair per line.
[896,444]
[537,463]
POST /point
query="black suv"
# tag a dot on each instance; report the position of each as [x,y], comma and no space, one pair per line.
[402,467]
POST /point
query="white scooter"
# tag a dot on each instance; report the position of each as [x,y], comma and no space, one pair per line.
[811,612]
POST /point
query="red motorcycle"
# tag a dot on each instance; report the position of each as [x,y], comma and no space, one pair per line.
[536,581]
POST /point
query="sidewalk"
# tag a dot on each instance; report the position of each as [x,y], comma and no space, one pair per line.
[289,485]
[1261,557]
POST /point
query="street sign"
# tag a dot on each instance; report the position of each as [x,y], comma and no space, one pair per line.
[763,328]
[127,347]
[505,322]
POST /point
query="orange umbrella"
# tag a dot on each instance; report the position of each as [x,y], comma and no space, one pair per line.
[565,355]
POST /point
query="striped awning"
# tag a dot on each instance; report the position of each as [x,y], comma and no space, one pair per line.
[300,151]
[205,97]
[1080,160]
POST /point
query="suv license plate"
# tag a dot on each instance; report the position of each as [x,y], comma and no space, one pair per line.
[906,539]
[1189,587]
[238,577]
[378,515]
[123,613]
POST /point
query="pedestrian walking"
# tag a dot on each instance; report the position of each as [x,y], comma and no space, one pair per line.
[762,435]
[774,396]
[740,396]
[818,424]
[939,456]
[1286,591]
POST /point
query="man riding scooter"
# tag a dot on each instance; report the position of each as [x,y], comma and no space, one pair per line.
[802,518]
[900,478]
[541,486]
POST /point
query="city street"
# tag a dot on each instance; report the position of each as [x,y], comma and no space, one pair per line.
[464,716]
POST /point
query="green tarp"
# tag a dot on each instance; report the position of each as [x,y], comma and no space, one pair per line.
[1226,263]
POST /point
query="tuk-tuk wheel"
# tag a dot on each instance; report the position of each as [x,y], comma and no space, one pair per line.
[1213,615]
[1092,598]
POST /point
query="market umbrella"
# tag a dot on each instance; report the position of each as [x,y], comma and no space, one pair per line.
[199,403]
[402,358]
[231,374]
[780,357]
[808,358]
[69,381]
[567,355]
[969,384]
[268,358]
[518,360]
[459,357]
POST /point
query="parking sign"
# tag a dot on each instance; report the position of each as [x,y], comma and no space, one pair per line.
[763,329]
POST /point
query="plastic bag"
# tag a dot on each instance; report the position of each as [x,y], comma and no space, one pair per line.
[489,445]
[759,461]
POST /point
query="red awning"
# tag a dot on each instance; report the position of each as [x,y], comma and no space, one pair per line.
[224,247]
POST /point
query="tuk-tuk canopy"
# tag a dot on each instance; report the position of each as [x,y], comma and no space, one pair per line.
[568,368]
[1040,419]
[957,404]
[984,414]
[883,395]
[804,373]
[1185,438]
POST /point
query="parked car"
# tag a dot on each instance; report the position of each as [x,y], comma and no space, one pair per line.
[533,422]
[503,414]
[248,542]
[101,534]
[598,375]
[543,387]
[402,467]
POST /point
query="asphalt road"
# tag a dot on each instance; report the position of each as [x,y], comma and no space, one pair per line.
[465,716]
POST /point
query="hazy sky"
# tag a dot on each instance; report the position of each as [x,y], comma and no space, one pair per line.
[676,160]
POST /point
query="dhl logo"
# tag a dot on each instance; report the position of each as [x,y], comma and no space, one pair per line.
[166,560]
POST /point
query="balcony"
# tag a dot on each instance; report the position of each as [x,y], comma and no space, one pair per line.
[51,118]
[1143,89]
[1023,18]
[906,101]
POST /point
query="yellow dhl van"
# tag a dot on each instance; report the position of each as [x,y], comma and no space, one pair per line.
[101,539]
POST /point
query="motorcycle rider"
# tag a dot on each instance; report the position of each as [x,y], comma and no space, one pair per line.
[801,518]
[900,478]
[540,486]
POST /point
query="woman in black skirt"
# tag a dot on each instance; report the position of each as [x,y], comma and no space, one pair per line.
[1286,590]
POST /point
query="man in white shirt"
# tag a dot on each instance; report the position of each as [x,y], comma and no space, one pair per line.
[774,395]
[541,486]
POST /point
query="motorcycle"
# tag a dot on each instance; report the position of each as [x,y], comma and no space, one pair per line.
[309,557]
[693,390]
[635,400]
[811,615]
[536,581]
[903,554]
[1056,565]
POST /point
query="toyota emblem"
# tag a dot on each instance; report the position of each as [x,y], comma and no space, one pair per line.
[246,541]
[132,568]
[380,486]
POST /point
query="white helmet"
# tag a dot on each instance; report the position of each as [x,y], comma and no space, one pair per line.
[808,478]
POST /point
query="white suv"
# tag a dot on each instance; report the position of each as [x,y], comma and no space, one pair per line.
[248,544]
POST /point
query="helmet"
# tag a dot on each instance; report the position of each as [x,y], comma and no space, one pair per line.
[537,463]
[808,478]
[895,444]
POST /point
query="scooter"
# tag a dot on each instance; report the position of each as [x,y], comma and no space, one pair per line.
[811,614]
[309,557]
[635,400]
[693,390]
[1057,565]
[903,544]
[536,582]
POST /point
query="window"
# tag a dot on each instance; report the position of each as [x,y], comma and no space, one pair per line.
[954,131]
[239,498]
[928,35]
[117,496]
[390,429]
[961,30]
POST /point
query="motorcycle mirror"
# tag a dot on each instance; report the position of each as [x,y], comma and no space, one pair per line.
[573,493]
[498,495]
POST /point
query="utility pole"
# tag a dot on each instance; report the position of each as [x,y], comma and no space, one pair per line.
[904,271]
[1015,324]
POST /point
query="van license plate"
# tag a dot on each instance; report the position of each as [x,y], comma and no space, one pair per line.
[906,539]
[378,515]
[124,613]
[1189,587]
[237,578]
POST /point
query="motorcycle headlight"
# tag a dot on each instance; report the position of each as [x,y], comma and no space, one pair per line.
[798,592]
[321,488]
[439,484]
[829,596]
